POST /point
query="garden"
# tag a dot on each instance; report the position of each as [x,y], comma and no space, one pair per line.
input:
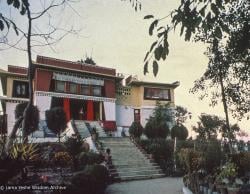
[211,163]
[52,167]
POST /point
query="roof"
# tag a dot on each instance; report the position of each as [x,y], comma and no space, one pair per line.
[157,84]
[13,72]
[74,66]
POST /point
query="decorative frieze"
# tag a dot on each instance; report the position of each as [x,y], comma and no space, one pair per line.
[74,96]
[78,80]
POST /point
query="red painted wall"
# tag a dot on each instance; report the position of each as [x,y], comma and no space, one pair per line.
[109,88]
[43,79]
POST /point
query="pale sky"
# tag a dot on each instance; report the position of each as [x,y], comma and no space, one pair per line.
[117,37]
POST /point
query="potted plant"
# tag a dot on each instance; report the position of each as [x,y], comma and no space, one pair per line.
[226,177]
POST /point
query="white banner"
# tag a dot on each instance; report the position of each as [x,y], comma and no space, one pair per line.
[78,80]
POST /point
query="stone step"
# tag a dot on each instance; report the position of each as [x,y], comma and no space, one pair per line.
[137,172]
[128,165]
[128,169]
[139,177]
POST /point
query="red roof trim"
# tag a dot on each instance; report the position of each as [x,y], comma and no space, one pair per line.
[17,69]
[75,65]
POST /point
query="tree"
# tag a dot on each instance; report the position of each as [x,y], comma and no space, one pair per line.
[156,126]
[225,26]
[208,126]
[135,130]
[181,115]
[180,132]
[210,22]
[56,120]
[30,34]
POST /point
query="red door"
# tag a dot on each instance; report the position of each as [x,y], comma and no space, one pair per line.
[137,115]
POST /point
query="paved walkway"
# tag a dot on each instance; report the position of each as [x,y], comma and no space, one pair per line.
[153,186]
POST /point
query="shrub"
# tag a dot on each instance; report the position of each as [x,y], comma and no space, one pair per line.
[62,159]
[56,120]
[32,114]
[212,149]
[191,160]
[155,129]
[92,180]
[180,132]
[228,171]
[89,158]
[242,161]
[135,130]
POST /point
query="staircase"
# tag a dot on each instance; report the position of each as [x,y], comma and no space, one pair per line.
[128,162]
[97,126]
[82,128]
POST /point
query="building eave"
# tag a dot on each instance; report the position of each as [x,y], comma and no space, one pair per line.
[156,84]
[6,73]
[52,67]
[10,99]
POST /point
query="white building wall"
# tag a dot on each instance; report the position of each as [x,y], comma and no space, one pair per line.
[109,110]
[43,103]
[10,111]
[124,115]
[146,112]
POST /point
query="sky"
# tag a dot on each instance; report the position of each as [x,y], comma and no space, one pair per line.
[116,36]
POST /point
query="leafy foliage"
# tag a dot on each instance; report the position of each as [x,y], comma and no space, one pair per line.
[135,129]
[190,159]
[33,115]
[56,119]
[156,126]
[210,18]
[181,114]
[93,180]
[180,132]
[88,60]
[208,127]
[7,23]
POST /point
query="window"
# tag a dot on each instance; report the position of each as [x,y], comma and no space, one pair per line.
[85,90]
[73,88]
[97,90]
[60,86]
[156,94]
[20,89]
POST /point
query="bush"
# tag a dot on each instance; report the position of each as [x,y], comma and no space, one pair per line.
[242,161]
[135,130]
[89,158]
[92,180]
[190,159]
[213,149]
[56,120]
[180,132]
[62,159]
[155,129]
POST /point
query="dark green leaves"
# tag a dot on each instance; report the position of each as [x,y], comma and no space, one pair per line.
[155,68]
[145,69]
[218,32]
[152,46]
[9,2]
[23,10]
[152,26]
[148,16]
[1,25]
[16,4]
[158,52]
[215,9]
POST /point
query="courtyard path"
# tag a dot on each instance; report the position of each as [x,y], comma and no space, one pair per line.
[153,186]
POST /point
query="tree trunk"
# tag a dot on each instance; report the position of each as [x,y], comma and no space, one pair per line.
[28,109]
[12,135]
[224,101]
